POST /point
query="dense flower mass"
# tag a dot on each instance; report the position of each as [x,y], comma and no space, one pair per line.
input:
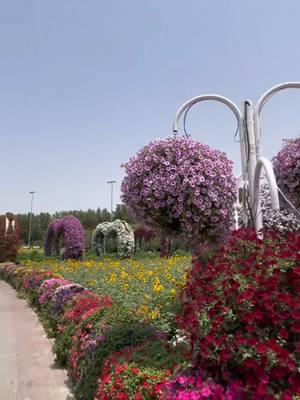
[70,229]
[241,314]
[124,237]
[285,220]
[178,185]
[287,170]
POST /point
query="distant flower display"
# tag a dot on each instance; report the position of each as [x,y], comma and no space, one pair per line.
[70,229]
[179,185]
[287,170]
[9,237]
[124,237]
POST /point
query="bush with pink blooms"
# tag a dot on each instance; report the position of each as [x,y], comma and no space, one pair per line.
[180,186]
[287,170]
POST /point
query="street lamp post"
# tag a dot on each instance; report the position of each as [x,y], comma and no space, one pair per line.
[111,198]
[30,217]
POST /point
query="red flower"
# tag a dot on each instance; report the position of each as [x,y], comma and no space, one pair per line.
[135,370]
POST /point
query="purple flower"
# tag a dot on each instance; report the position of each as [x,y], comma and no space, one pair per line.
[187,178]
[71,230]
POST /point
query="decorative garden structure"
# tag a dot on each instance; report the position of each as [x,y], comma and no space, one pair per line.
[143,233]
[9,237]
[249,137]
[70,230]
[124,237]
[181,187]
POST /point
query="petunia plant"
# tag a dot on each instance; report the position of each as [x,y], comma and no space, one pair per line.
[180,186]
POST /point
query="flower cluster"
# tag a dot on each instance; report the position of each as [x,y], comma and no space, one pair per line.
[240,311]
[48,287]
[84,305]
[284,220]
[63,293]
[124,236]
[71,230]
[178,185]
[194,386]
[287,170]
[126,375]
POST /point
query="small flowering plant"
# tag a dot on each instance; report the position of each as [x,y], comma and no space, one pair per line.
[180,186]
[287,170]
[139,372]
[241,313]
[62,294]
[194,386]
[48,287]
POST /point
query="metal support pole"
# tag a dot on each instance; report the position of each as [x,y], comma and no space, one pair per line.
[30,218]
[111,199]
[249,137]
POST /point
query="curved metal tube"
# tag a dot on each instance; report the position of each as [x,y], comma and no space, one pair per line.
[204,97]
[262,101]
[282,86]
[228,103]
[267,165]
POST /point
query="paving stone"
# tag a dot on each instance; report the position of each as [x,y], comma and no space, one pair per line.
[27,367]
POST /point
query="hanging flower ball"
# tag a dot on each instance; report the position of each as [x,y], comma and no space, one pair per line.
[180,186]
[287,170]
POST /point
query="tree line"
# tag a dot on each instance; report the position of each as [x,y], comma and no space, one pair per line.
[89,219]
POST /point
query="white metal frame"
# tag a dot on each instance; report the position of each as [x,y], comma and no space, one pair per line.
[249,137]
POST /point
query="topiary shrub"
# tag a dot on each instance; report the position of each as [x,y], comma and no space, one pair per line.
[9,237]
[241,313]
[143,233]
[124,237]
[287,170]
[71,231]
[180,186]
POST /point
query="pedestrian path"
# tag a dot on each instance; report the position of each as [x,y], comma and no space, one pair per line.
[27,367]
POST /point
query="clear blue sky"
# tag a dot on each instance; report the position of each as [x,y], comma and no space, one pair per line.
[85,84]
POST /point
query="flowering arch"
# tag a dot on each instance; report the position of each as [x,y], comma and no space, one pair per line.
[124,237]
[71,231]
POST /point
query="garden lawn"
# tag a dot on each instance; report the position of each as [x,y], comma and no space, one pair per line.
[147,287]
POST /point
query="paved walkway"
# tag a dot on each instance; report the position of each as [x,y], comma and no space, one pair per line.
[27,369]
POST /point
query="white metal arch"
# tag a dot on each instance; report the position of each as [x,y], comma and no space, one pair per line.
[232,106]
[249,134]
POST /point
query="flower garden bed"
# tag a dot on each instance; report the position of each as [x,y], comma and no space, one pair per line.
[239,317]
[110,352]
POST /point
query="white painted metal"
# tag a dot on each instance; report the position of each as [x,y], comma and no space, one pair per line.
[234,108]
[249,137]
[267,165]
[260,104]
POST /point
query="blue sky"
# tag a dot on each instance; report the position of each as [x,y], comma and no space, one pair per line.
[85,84]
